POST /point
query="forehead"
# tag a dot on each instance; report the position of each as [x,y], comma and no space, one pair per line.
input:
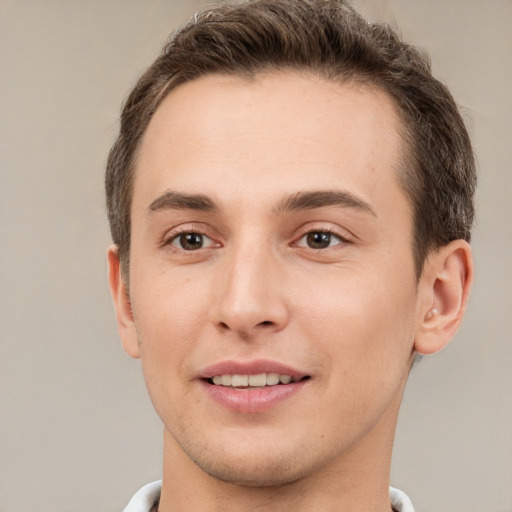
[279,133]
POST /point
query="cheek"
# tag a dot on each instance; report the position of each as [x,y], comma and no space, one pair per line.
[169,316]
[166,341]
[168,306]
[362,321]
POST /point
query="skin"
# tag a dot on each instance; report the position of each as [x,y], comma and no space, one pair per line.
[351,313]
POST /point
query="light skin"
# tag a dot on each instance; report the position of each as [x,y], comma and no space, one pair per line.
[269,228]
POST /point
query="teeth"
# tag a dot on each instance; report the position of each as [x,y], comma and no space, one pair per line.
[258,381]
[239,380]
[272,379]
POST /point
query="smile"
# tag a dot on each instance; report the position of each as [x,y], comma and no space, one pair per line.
[252,386]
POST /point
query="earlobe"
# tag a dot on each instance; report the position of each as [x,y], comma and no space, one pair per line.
[122,304]
[446,282]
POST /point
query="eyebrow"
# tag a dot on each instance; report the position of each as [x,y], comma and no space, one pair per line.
[170,200]
[322,198]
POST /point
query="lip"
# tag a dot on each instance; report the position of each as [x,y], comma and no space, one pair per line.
[251,400]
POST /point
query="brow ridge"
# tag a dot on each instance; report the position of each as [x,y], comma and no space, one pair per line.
[179,201]
[323,198]
[304,200]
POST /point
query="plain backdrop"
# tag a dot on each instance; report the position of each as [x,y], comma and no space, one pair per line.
[77,432]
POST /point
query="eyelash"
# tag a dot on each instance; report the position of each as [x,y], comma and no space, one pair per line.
[342,240]
[176,235]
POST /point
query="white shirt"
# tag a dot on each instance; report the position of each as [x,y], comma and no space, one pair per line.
[146,499]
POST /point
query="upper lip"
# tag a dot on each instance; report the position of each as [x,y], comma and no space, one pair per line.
[232,367]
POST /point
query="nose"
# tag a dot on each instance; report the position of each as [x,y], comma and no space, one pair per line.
[250,293]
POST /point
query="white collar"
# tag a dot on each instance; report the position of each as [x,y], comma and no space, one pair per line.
[146,499]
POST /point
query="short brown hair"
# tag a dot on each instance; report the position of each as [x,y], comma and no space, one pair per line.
[330,39]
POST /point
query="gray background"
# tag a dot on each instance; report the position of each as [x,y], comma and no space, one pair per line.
[77,432]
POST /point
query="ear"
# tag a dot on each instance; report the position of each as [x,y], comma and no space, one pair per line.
[445,284]
[122,304]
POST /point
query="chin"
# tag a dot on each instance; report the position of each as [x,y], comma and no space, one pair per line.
[260,463]
[251,474]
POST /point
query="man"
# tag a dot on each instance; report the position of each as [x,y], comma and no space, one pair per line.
[290,198]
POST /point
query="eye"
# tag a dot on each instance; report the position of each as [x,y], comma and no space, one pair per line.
[191,241]
[319,240]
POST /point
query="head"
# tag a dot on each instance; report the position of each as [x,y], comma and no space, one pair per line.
[330,40]
[290,194]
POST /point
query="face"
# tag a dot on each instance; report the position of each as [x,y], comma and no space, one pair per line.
[272,280]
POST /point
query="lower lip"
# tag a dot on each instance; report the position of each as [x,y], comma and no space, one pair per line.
[252,400]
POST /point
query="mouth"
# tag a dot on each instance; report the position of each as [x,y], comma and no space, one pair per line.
[252,387]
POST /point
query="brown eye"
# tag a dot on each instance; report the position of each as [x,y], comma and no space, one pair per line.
[190,241]
[319,239]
